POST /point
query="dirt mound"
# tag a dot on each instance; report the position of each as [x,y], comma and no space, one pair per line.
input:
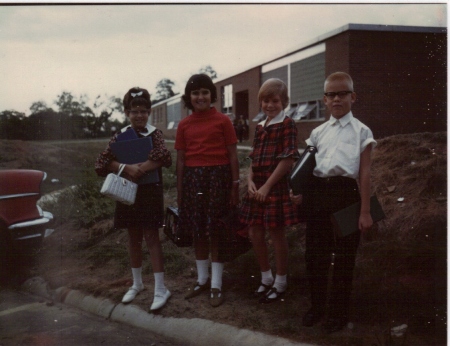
[400,275]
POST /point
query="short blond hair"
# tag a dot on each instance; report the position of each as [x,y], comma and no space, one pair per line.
[338,76]
[274,87]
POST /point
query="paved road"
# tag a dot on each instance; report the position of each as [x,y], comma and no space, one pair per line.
[31,320]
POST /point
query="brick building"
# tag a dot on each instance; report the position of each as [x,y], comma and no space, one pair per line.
[399,73]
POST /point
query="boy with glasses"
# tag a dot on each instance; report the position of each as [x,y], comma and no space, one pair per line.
[344,147]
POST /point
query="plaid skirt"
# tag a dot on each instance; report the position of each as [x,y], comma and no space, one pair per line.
[278,210]
[205,198]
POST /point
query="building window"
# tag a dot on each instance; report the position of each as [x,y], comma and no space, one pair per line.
[259,117]
[158,115]
[173,125]
[173,115]
[312,110]
[155,116]
[227,99]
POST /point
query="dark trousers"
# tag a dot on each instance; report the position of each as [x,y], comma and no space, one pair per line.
[326,196]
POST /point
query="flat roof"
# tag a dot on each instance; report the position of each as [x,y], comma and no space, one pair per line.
[344,28]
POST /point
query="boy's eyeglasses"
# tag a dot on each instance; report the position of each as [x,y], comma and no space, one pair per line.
[341,94]
[141,112]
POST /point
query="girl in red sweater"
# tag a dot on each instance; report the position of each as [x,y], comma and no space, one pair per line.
[207,179]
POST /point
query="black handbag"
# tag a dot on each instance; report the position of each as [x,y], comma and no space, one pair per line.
[180,237]
[233,236]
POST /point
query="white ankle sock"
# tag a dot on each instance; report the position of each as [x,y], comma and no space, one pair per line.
[267,277]
[137,277]
[159,283]
[216,275]
[202,271]
[280,283]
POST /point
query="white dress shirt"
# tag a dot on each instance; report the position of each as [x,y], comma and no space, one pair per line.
[339,144]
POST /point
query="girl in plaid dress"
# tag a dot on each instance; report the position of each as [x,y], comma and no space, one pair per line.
[267,205]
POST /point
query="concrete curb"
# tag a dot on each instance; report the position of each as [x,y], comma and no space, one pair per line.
[187,331]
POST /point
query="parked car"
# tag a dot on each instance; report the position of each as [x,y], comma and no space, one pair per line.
[23,224]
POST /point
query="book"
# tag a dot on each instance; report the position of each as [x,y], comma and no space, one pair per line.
[135,151]
[345,221]
[127,135]
[303,171]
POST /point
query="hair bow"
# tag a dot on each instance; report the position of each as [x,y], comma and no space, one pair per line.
[137,94]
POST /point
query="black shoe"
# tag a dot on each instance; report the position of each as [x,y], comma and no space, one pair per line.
[266,300]
[312,317]
[263,292]
[333,325]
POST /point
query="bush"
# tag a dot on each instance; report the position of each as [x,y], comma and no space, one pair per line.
[82,204]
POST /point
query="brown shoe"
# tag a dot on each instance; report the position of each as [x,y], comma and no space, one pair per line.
[196,289]
[216,298]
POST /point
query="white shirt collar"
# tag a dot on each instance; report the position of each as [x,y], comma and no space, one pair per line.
[342,121]
[278,119]
[150,130]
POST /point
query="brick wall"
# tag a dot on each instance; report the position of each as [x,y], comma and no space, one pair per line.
[399,77]
[249,81]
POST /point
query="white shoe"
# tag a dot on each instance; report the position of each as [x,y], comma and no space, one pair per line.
[159,300]
[132,293]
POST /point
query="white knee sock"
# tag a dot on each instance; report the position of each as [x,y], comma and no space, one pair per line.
[159,283]
[137,277]
[202,271]
[216,271]
[280,283]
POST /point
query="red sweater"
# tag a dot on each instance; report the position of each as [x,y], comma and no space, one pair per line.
[204,137]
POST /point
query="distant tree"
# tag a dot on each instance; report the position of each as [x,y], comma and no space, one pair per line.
[77,112]
[208,70]
[12,125]
[103,109]
[74,119]
[164,89]
[48,125]
[69,105]
[39,106]
[86,121]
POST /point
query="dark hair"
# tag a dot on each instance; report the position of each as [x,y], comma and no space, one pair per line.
[136,97]
[196,82]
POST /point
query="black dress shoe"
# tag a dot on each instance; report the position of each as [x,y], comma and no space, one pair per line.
[333,325]
[262,293]
[311,317]
[266,299]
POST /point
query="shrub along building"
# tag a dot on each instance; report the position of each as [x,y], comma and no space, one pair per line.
[399,72]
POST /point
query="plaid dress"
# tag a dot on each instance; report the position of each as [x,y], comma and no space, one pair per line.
[271,144]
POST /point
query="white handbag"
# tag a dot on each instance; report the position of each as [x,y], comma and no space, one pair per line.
[119,188]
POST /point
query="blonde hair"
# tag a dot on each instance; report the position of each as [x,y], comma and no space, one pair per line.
[274,87]
[338,76]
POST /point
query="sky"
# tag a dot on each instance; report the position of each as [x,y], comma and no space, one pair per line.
[107,49]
